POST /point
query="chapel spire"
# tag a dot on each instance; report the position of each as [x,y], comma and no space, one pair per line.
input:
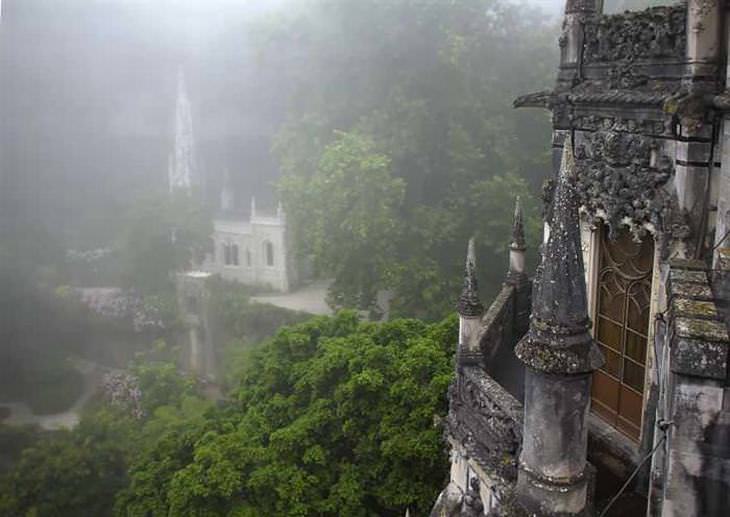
[182,174]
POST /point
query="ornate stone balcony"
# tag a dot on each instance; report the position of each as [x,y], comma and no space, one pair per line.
[487,420]
[485,417]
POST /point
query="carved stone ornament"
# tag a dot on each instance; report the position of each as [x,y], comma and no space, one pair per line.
[595,123]
[485,420]
[655,33]
[472,505]
[619,182]
[499,426]
[625,77]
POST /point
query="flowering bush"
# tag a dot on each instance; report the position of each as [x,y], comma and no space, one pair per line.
[122,390]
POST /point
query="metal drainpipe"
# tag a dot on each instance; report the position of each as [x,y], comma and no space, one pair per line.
[699,249]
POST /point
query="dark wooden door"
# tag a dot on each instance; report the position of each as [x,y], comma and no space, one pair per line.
[621,328]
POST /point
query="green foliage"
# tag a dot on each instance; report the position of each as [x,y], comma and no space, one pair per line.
[71,473]
[13,440]
[34,364]
[349,215]
[237,317]
[423,111]
[240,323]
[332,417]
[161,234]
[80,472]
[161,384]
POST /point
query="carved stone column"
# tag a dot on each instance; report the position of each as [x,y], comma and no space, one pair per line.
[571,40]
[704,42]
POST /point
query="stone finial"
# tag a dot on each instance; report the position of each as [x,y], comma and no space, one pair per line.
[280,210]
[253,207]
[518,228]
[558,340]
[469,303]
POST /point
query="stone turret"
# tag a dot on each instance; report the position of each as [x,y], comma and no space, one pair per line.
[517,247]
[560,356]
[470,310]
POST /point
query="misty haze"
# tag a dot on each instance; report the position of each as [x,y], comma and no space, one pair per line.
[364,258]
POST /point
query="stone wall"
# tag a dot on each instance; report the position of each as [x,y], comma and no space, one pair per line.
[696,466]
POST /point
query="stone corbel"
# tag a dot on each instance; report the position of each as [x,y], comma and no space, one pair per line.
[543,99]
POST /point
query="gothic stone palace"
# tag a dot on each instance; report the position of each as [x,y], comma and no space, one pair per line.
[613,360]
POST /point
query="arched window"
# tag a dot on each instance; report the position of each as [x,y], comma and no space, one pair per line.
[248,257]
[234,254]
[226,254]
[269,252]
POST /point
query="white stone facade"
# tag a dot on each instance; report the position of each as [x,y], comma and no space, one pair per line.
[253,251]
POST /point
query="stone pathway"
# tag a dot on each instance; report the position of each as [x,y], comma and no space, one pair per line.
[22,414]
[309,298]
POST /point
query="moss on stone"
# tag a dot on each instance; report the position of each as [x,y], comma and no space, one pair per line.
[708,330]
[682,275]
[695,308]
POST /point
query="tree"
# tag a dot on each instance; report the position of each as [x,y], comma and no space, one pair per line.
[433,95]
[80,472]
[162,233]
[346,217]
[72,473]
[333,417]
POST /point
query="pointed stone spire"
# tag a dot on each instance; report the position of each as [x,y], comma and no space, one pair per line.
[182,168]
[253,207]
[558,339]
[469,304]
[280,211]
[518,228]
[516,274]
[552,470]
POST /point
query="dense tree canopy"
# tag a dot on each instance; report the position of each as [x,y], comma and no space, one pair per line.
[424,90]
[332,417]
[161,234]
[351,205]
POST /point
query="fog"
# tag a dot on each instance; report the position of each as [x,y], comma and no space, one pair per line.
[89,91]
[232,236]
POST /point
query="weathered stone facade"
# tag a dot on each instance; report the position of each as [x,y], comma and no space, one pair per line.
[253,249]
[641,137]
